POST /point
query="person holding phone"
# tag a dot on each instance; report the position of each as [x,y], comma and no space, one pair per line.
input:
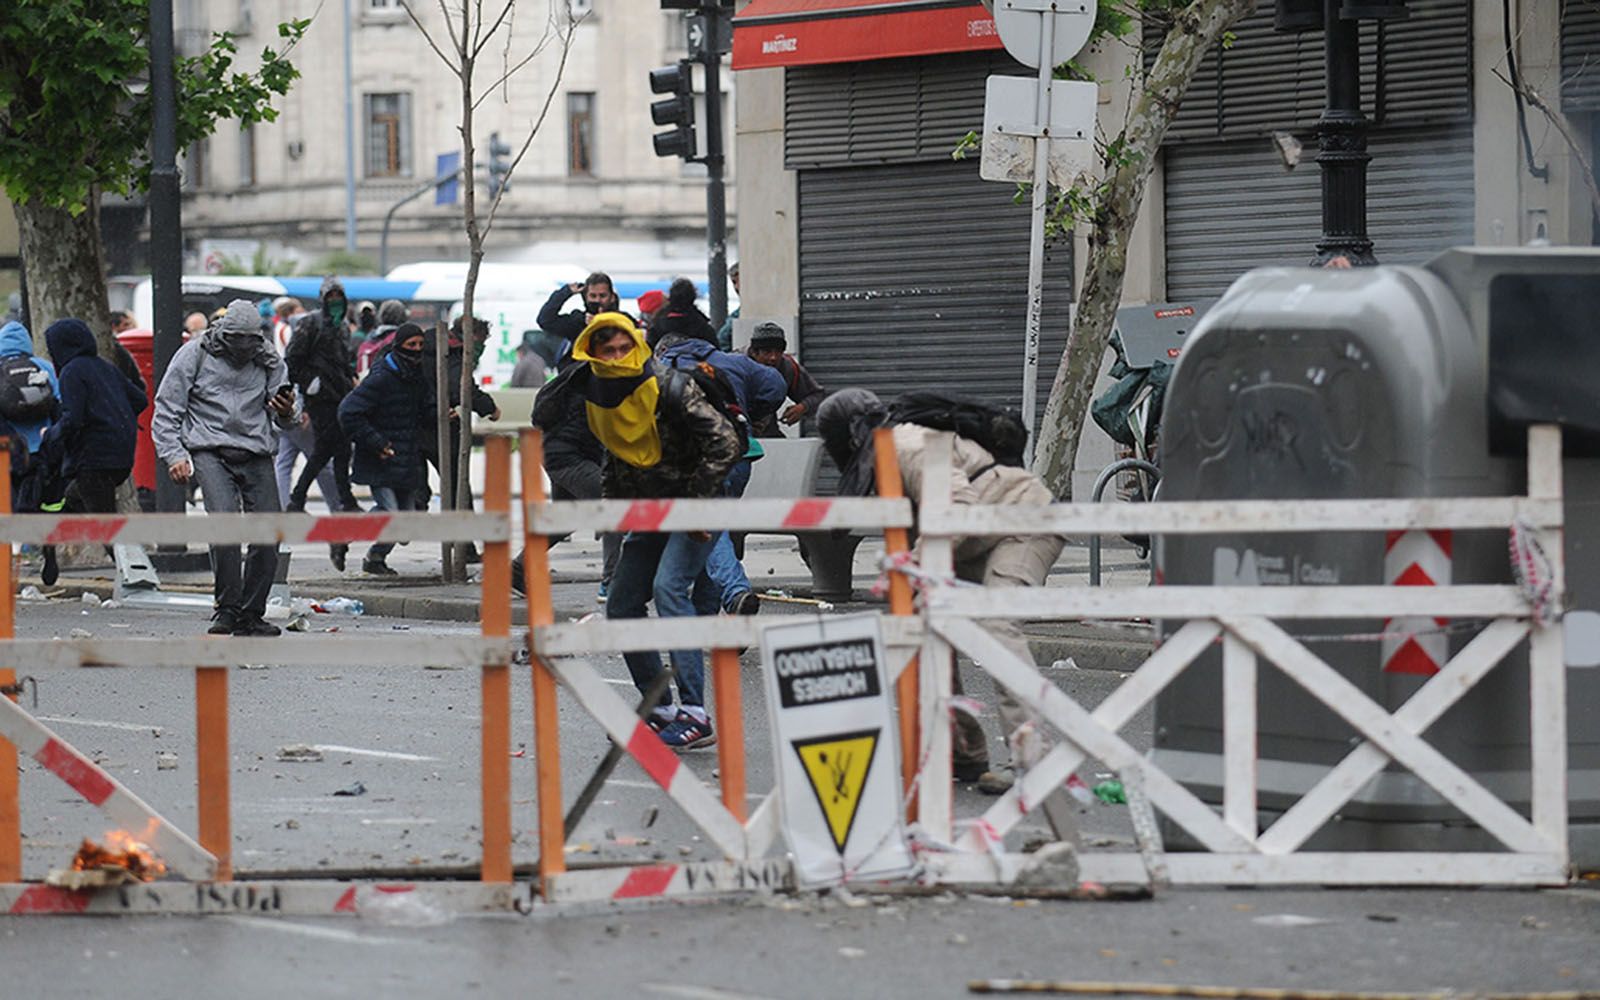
[225,399]
[599,295]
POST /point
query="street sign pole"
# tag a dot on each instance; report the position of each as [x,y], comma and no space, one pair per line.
[1041,186]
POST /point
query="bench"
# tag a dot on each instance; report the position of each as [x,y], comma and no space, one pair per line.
[790,470]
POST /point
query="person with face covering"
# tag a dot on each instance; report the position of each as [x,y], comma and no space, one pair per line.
[599,295]
[845,422]
[225,399]
[662,439]
[322,366]
[383,418]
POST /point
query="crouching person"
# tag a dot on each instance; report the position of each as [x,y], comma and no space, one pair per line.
[662,439]
[845,422]
[383,417]
[225,399]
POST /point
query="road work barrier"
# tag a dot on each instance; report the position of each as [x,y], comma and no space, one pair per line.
[1245,621]
[206,860]
[742,837]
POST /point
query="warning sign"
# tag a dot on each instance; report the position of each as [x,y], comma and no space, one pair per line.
[838,769]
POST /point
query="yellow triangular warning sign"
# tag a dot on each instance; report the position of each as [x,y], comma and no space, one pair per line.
[837,767]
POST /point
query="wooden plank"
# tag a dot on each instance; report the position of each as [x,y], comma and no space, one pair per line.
[1315,869]
[743,514]
[1239,736]
[762,827]
[1547,654]
[896,541]
[352,650]
[1420,711]
[936,661]
[214,766]
[284,898]
[1078,726]
[730,720]
[546,721]
[1167,662]
[599,635]
[253,529]
[495,679]
[1196,517]
[1482,601]
[1372,722]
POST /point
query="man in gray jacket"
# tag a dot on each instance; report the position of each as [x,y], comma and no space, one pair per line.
[224,400]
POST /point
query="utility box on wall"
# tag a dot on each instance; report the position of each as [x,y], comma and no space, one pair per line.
[1386,382]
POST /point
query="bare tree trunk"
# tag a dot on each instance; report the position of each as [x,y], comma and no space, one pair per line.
[66,269]
[1195,30]
[441,437]
[463,488]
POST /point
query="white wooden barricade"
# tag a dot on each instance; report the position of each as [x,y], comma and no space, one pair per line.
[1242,619]
[743,842]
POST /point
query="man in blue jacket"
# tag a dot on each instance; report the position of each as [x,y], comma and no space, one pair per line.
[38,390]
[760,391]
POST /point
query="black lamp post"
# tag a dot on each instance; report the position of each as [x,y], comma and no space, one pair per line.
[1342,129]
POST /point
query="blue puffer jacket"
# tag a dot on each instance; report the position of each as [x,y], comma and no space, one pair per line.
[99,406]
[15,339]
[388,410]
[760,389]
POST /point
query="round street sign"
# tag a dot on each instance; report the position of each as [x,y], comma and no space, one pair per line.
[1021,23]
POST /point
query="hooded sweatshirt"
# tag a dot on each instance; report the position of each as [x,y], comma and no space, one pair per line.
[99,406]
[216,389]
[319,356]
[15,339]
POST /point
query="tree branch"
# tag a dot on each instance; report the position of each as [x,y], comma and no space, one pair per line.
[483,38]
[549,98]
[1563,126]
[406,6]
[455,43]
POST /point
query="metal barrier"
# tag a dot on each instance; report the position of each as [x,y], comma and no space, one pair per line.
[1241,618]
[208,858]
[743,838]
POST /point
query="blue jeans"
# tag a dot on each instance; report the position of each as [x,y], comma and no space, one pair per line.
[723,566]
[663,568]
[388,498]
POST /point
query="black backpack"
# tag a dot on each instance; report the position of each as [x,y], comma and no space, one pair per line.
[25,392]
[715,386]
[999,431]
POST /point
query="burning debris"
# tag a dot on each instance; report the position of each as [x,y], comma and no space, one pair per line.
[123,859]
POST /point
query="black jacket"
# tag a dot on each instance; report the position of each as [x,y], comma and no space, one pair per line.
[482,402]
[685,323]
[565,325]
[99,406]
[320,352]
[388,409]
[558,410]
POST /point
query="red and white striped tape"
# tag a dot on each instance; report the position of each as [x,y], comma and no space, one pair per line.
[689,878]
[800,514]
[1416,559]
[251,529]
[181,855]
[308,898]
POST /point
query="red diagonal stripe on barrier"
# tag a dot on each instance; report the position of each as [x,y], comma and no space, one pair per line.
[348,528]
[86,779]
[50,899]
[1414,576]
[652,754]
[1410,658]
[99,529]
[807,513]
[651,880]
[1444,538]
[1391,539]
[347,902]
[644,515]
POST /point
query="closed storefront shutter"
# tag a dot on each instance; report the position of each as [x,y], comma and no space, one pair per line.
[1232,206]
[1580,55]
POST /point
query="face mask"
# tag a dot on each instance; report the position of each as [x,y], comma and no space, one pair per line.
[241,346]
[412,357]
[336,311]
[593,308]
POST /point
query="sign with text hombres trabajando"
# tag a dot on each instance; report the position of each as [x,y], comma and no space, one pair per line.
[834,742]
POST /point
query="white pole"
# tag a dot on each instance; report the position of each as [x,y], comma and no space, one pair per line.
[1041,184]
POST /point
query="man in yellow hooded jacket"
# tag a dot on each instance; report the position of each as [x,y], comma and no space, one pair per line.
[663,439]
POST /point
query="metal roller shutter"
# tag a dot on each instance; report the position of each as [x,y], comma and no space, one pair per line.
[915,276]
[1580,55]
[1231,206]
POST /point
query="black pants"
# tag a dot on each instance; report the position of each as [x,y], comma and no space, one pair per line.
[94,491]
[329,444]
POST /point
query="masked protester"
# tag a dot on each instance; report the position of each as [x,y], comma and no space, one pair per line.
[383,418]
[662,438]
[323,369]
[225,399]
[481,403]
[599,295]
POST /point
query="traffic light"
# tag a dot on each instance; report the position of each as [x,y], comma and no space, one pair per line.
[499,165]
[677,110]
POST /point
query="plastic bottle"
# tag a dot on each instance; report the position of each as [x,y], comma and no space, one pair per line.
[343,606]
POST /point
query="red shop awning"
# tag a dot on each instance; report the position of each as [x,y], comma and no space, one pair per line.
[770,33]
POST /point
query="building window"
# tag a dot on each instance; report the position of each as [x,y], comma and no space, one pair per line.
[245,23]
[388,118]
[580,135]
[247,156]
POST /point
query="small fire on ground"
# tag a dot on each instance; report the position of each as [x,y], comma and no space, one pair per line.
[123,858]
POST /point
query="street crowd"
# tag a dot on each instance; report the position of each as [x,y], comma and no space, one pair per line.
[652,406]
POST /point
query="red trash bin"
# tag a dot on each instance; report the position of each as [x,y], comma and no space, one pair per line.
[141,344]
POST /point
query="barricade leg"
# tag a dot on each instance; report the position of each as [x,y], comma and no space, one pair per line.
[546,724]
[213,766]
[496,677]
[10,809]
[730,720]
[895,541]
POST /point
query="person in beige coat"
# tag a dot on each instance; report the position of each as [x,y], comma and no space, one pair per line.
[845,422]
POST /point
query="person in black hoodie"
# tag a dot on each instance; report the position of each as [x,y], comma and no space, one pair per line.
[323,367]
[483,405]
[681,317]
[91,445]
[383,418]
